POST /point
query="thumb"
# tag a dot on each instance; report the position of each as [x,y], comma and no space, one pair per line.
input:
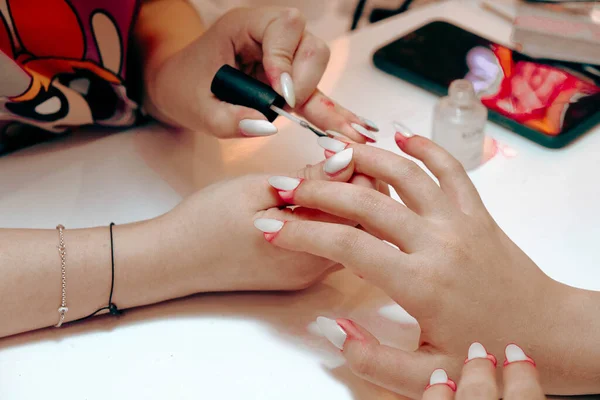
[404,372]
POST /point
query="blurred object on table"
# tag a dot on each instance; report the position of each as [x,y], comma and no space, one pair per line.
[567,31]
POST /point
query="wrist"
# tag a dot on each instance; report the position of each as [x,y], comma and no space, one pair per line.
[146,270]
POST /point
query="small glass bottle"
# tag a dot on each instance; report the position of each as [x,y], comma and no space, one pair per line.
[458,124]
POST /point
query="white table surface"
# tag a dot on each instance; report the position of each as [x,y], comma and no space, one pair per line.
[263,346]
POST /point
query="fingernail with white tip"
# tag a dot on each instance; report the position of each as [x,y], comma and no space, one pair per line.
[338,162]
[476,350]
[370,124]
[287,87]
[257,127]
[514,353]
[440,377]
[267,225]
[332,331]
[331,144]
[284,183]
[363,131]
[402,129]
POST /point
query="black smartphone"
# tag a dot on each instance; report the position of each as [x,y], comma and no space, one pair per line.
[549,102]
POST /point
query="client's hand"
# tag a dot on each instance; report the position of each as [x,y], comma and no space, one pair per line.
[478,381]
[211,234]
[272,45]
[453,269]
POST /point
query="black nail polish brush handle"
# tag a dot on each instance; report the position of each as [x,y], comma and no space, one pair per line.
[235,87]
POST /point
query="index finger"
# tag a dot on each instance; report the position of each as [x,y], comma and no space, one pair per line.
[280,31]
[521,379]
[478,379]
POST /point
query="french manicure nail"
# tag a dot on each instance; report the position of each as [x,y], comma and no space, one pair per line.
[440,377]
[284,183]
[361,129]
[402,129]
[338,162]
[257,127]
[287,86]
[476,350]
[514,354]
[267,225]
[331,144]
[370,124]
[332,331]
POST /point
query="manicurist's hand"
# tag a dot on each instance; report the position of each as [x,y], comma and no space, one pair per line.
[453,269]
[270,44]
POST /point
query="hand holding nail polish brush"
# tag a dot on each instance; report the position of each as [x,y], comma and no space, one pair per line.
[235,87]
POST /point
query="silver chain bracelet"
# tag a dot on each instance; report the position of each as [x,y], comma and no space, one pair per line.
[62,252]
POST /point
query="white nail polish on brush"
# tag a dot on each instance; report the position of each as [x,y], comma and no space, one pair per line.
[331,144]
[267,225]
[287,87]
[332,331]
[363,131]
[338,162]
[284,182]
[257,127]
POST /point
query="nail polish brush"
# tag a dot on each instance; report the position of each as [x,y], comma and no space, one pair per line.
[235,87]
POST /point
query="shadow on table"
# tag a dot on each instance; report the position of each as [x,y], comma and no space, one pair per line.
[289,315]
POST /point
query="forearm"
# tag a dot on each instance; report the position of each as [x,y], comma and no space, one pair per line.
[145,272]
[164,27]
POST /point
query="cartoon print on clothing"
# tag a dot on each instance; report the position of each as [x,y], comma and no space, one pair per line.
[63,62]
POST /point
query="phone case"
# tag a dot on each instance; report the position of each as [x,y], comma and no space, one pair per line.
[554,142]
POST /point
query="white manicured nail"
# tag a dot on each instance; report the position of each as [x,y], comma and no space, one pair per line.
[287,87]
[332,331]
[257,127]
[438,376]
[515,353]
[476,350]
[284,183]
[268,225]
[402,129]
[338,162]
[370,124]
[331,144]
[363,131]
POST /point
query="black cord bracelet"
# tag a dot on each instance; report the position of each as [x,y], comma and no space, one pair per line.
[111,307]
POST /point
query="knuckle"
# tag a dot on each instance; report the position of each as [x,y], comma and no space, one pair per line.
[294,16]
[366,202]
[408,168]
[316,47]
[453,167]
[346,239]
